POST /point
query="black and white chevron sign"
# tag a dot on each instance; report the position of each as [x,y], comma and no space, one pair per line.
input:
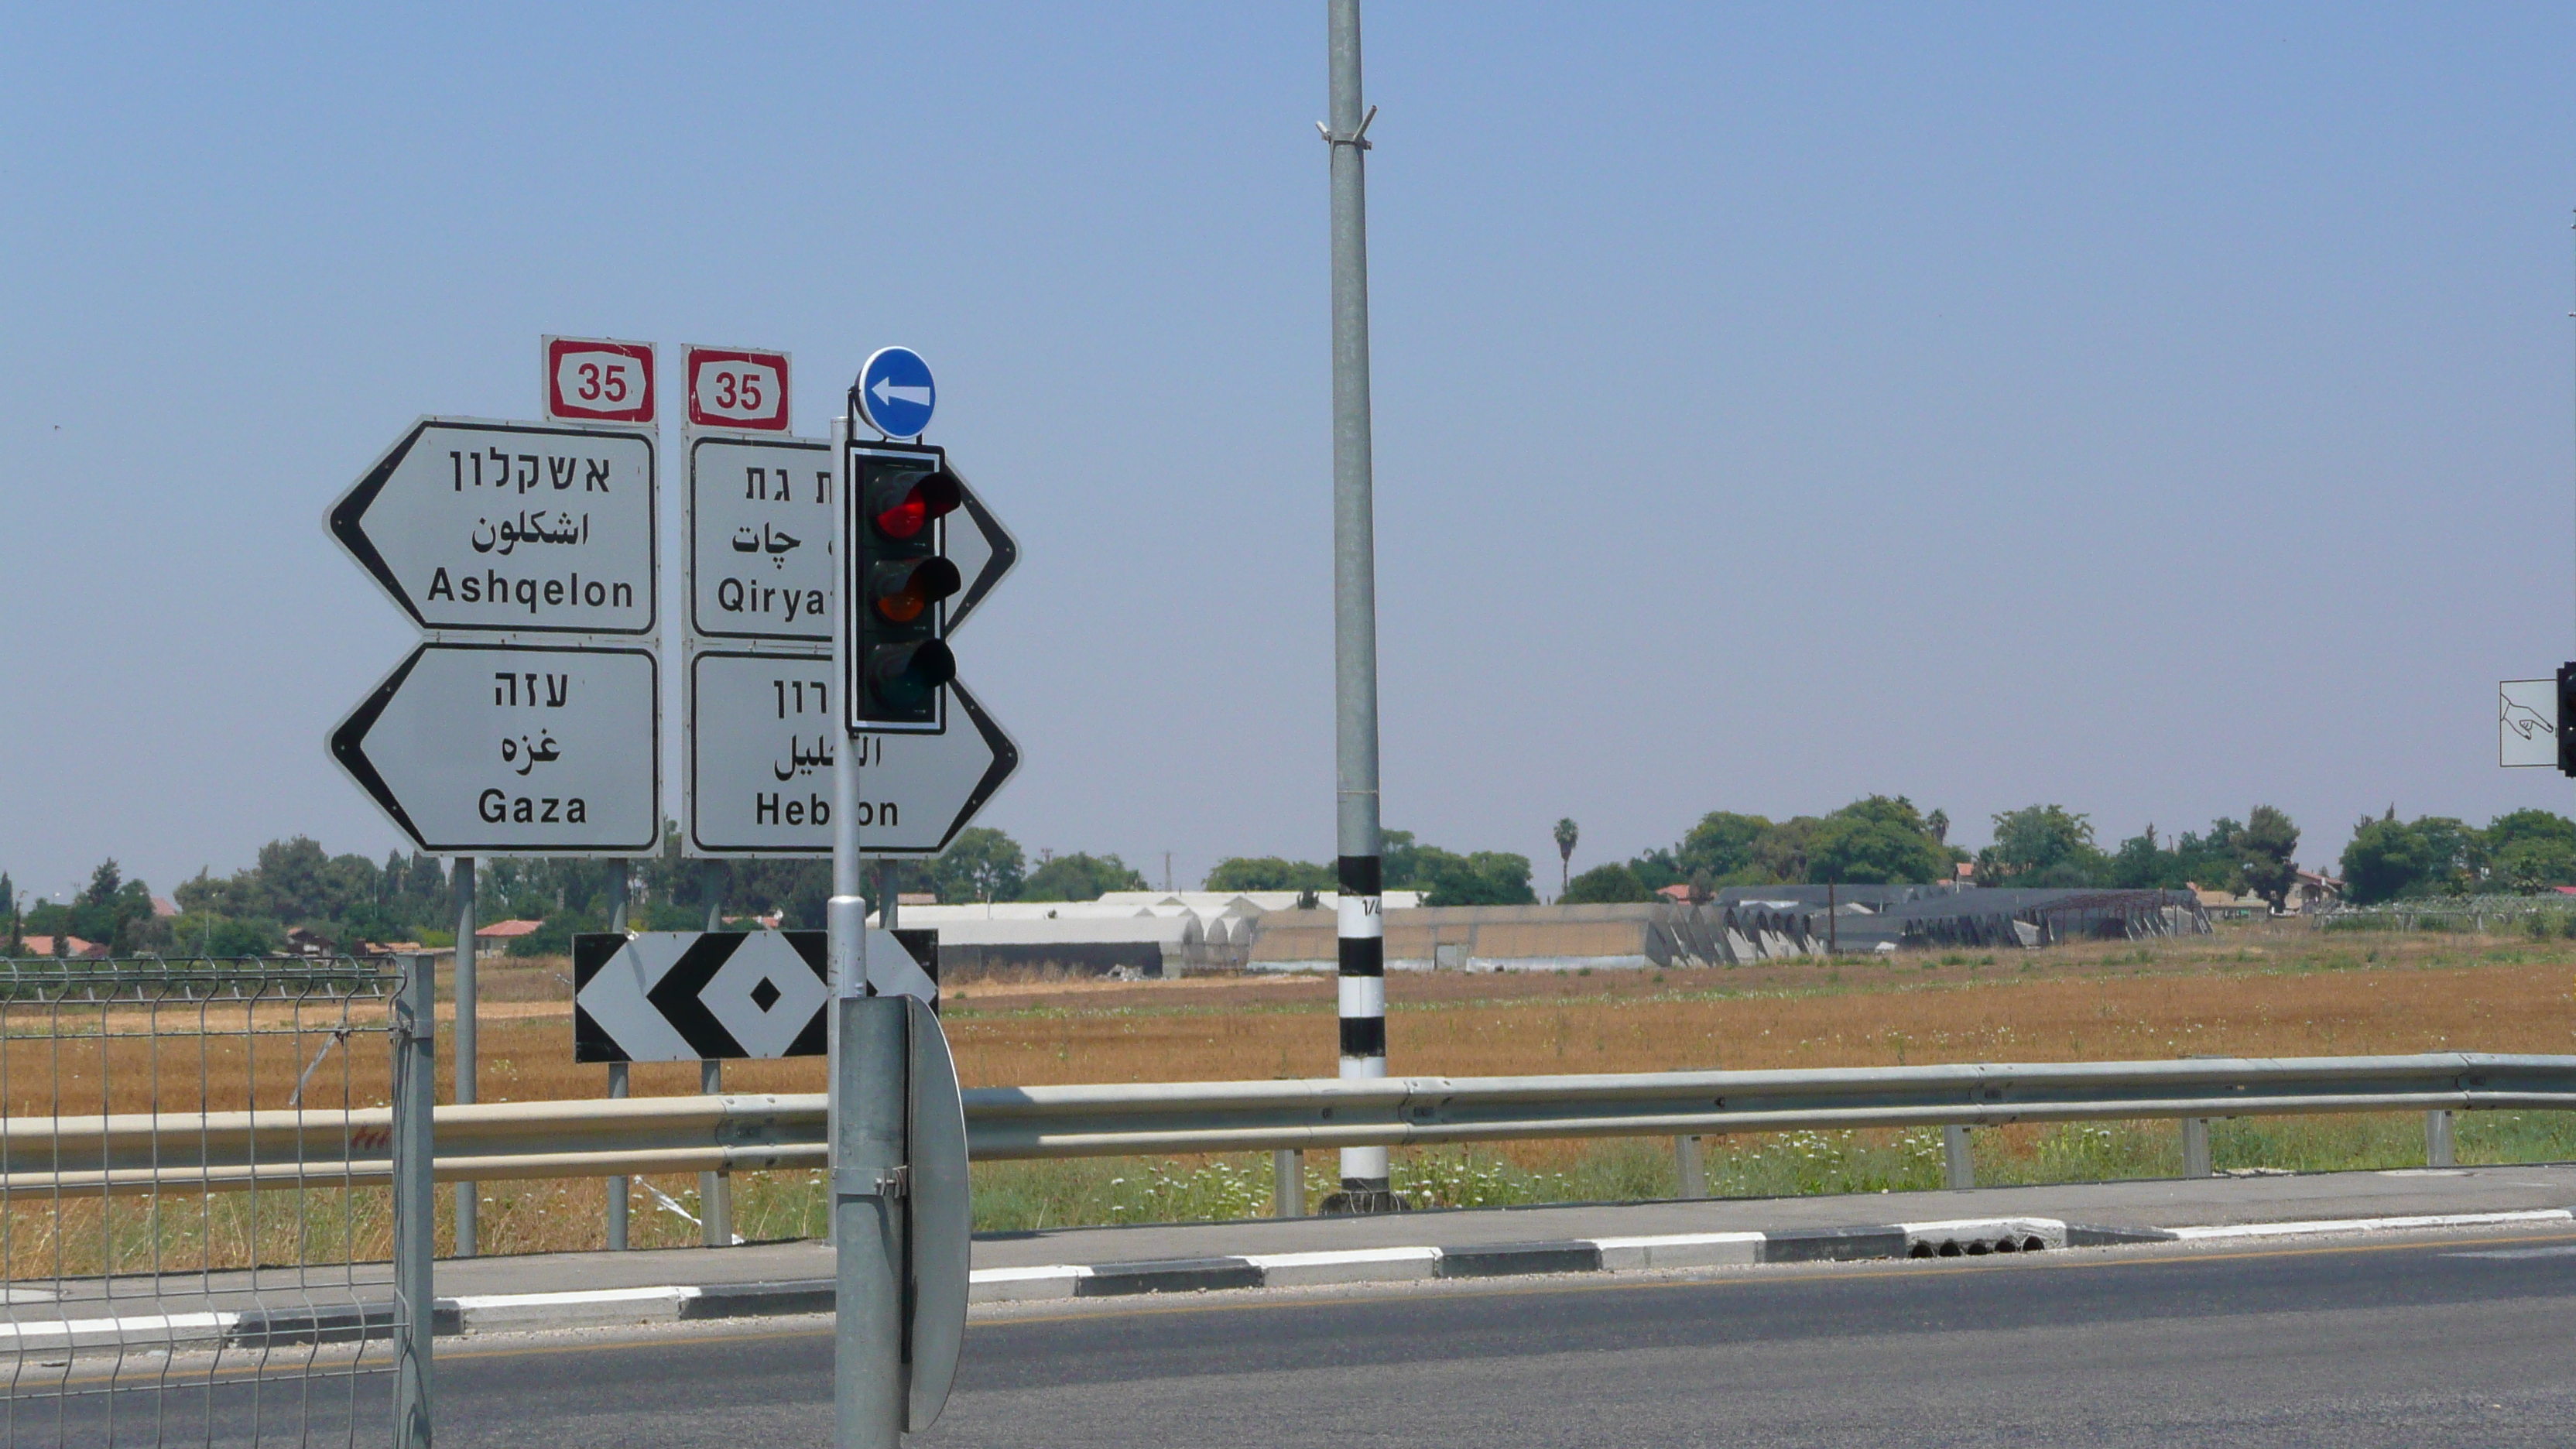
[687,996]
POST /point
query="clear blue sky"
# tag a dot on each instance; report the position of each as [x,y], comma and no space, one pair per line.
[2156,413]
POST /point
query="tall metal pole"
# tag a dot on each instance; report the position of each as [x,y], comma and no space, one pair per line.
[465,1198]
[870,1052]
[1362,923]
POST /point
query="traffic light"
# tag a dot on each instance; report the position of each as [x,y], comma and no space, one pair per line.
[2567,719]
[900,580]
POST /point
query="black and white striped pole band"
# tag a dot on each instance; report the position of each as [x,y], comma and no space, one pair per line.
[1361,922]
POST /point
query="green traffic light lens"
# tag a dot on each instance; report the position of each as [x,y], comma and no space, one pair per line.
[905,676]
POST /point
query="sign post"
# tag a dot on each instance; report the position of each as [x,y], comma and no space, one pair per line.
[528,720]
[912,757]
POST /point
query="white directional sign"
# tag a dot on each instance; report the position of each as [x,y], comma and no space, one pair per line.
[760,539]
[2527,723]
[982,549]
[760,743]
[760,754]
[509,527]
[514,749]
[686,996]
[917,791]
[763,744]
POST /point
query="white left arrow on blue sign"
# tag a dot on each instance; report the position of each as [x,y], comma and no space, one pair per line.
[513,749]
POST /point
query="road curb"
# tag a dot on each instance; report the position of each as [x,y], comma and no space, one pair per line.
[626,1307]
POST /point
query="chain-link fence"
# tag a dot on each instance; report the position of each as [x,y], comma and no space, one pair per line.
[198,1226]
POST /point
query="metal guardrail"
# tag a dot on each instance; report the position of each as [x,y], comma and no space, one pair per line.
[751,1133]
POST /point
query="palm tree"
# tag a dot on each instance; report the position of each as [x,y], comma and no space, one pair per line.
[1565,835]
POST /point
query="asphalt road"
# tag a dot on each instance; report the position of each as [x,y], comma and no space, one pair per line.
[2469,1341]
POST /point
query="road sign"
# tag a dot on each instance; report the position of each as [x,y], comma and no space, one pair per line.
[2527,723]
[595,380]
[513,749]
[982,549]
[760,752]
[687,996]
[509,527]
[895,394]
[760,539]
[731,387]
[763,741]
[917,791]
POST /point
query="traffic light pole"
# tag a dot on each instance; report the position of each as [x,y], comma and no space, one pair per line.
[1362,923]
[869,1054]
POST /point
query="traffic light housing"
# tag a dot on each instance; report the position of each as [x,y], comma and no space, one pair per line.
[2567,719]
[898,581]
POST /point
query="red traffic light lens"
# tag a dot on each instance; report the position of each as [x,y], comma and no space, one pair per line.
[903,588]
[904,505]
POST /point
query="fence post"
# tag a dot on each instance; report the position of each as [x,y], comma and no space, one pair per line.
[715,1189]
[2195,1147]
[1693,1167]
[2437,1138]
[415,1084]
[1958,1164]
[1288,1183]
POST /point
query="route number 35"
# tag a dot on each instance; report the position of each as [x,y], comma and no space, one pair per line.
[610,381]
[734,389]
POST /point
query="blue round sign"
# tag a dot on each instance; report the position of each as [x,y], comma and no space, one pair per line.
[896,393]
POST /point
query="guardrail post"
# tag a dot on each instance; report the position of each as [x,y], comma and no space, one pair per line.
[620,1189]
[715,1189]
[1958,1164]
[1288,1183]
[1694,1168]
[415,1196]
[2437,1138]
[2195,1147]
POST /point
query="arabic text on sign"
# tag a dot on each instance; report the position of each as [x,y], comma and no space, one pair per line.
[505,537]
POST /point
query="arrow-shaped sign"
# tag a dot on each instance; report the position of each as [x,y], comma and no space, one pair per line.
[509,527]
[688,996]
[982,553]
[917,791]
[513,749]
[886,391]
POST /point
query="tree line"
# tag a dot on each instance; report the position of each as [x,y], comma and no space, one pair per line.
[1446,878]
[346,900]
[1886,840]
[2518,852]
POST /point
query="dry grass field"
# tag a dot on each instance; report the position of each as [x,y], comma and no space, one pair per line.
[2257,990]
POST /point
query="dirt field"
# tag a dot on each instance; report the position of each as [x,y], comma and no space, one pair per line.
[2260,990]
[2253,990]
